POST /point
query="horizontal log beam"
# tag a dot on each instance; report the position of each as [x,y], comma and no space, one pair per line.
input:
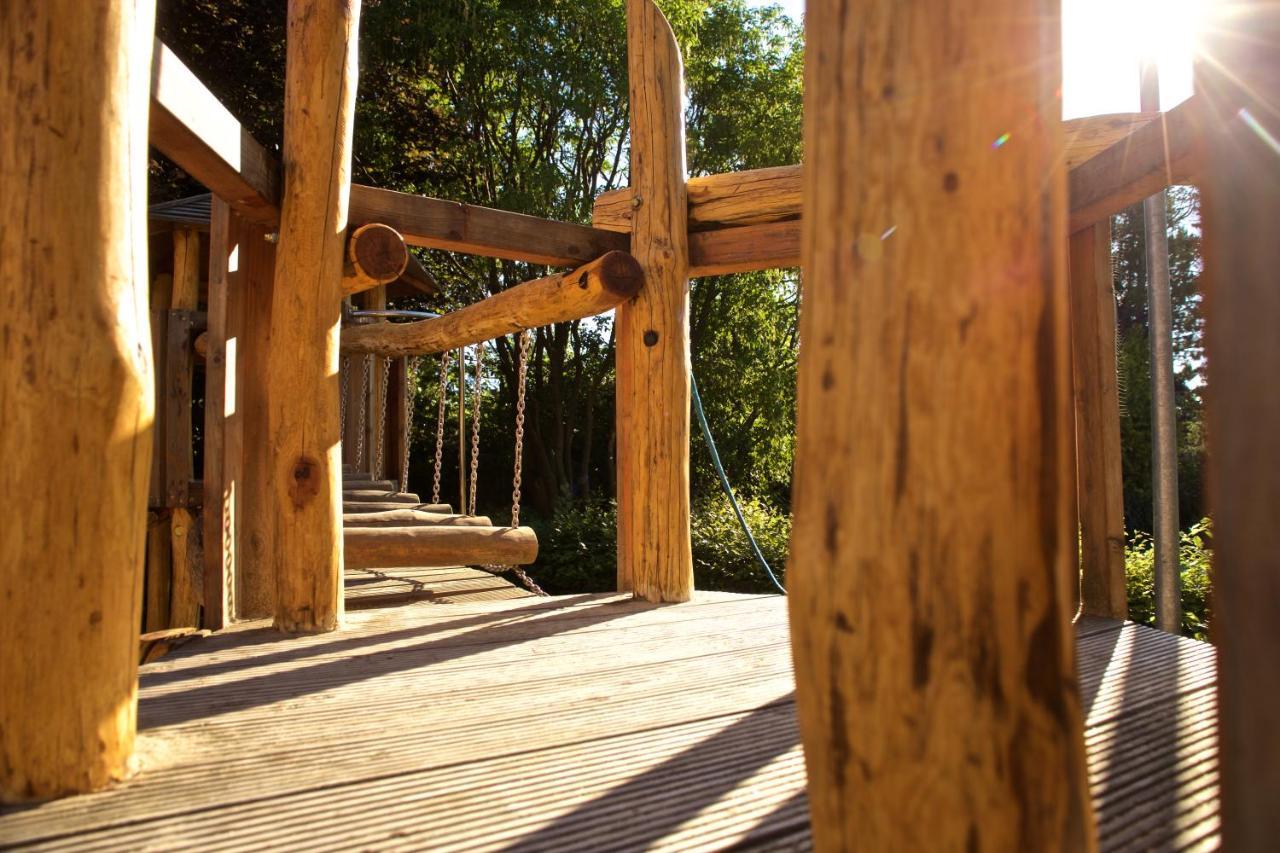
[376,255]
[437,224]
[413,518]
[401,547]
[589,290]
[362,507]
[1157,155]
[772,245]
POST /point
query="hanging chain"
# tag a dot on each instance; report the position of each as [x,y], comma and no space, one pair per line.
[475,431]
[526,343]
[382,419]
[364,412]
[444,385]
[410,393]
[342,400]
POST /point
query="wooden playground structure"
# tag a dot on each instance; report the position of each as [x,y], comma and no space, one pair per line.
[948,670]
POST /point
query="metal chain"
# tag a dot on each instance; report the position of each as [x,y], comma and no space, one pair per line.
[475,431]
[526,343]
[410,393]
[444,386]
[364,412]
[382,419]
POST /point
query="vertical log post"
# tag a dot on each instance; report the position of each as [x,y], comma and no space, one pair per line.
[1097,407]
[255,591]
[76,387]
[374,298]
[302,372]
[223,433]
[1239,79]
[935,676]
[654,554]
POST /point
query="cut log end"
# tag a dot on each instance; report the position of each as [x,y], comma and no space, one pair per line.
[376,255]
[621,274]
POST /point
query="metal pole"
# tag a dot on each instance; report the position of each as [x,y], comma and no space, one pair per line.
[1164,435]
[462,430]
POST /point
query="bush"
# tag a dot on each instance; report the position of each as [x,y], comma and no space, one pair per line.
[1194,555]
[577,550]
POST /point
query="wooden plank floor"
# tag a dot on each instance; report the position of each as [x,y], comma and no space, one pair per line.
[443,585]
[586,722]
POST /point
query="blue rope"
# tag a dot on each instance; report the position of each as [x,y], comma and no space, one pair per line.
[724,482]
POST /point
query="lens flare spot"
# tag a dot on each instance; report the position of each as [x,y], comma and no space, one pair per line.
[1000,140]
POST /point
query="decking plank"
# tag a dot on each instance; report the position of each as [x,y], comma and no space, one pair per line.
[576,722]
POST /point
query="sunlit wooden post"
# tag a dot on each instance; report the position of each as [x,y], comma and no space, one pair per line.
[1239,78]
[1097,408]
[935,674]
[320,89]
[76,388]
[654,554]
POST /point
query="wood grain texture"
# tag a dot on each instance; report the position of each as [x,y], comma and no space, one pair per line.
[935,675]
[255,563]
[412,518]
[745,248]
[646,727]
[1241,198]
[593,288]
[1100,483]
[376,255]
[179,363]
[320,89]
[76,389]
[655,561]
[438,545]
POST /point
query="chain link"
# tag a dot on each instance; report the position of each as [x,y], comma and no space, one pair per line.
[364,412]
[382,419]
[410,393]
[444,387]
[342,399]
[475,430]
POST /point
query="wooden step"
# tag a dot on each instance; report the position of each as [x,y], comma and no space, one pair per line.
[349,507]
[380,496]
[440,545]
[385,485]
[413,518]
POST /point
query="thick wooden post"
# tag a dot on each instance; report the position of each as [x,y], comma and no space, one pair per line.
[255,563]
[935,676]
[1239,80]
[654,556]
[320,88]
[373,299]
[1097,407]
[76,388]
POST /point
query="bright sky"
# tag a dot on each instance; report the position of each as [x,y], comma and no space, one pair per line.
[1102,44]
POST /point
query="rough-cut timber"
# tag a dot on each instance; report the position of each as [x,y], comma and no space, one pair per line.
[255,593]
[935,676]
[1241,193]
[437,224]
[76,396]
[1100,494]
[302,362]
[589,290]
[193,129]
[1158,154]
[654,556]
[772,245]
[439,545]
[412,518]
[1085,138]
[351,507]
[376,255]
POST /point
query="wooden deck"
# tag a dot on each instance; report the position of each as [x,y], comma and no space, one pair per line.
[586,722]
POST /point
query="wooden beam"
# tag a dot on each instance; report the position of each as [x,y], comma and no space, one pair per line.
[376,255]
[1097,417]
[437,224]
[320,89]
[418,277]
[773,245]
[254,595]
[1087,137]
[412,518]
[655,561]
[931,633]
[179,363]
[76,399]
[1241,205]
[1157,155]
[193,129]
[223,424]
[592,289]
[438,545]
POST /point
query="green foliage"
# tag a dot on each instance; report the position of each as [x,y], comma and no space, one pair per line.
[1194,555]
[577,546]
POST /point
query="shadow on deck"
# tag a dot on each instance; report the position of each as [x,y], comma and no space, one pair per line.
[586,722]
